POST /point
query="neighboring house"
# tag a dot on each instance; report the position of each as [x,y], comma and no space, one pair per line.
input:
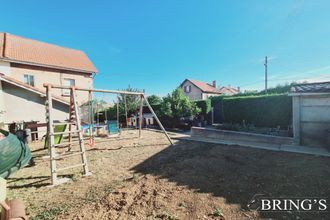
[197,90]
[148,119]
[311,114]
[26,64]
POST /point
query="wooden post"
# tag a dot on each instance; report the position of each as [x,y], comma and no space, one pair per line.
[70,119]
[118,111]
[50,134]
[158,121]
[140,115]
[91,119]
[125,110]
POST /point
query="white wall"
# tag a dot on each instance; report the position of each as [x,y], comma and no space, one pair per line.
[24,105]
[56,77]
[195,93]
[5,68]
[311,119]
[2,106]
[208,95]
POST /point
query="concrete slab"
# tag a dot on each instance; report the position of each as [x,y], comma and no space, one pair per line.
[264,146]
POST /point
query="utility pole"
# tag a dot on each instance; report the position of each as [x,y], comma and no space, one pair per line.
[266,77]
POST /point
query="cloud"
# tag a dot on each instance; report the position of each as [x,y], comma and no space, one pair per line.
[306,73]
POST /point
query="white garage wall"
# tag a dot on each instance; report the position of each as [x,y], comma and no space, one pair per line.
[24,105]
[311,115]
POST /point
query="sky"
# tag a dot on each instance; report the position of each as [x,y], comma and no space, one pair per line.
[156,44]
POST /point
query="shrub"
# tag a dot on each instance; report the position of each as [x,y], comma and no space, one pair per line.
[262,111]
[176,106]
[205,106]
[154,100]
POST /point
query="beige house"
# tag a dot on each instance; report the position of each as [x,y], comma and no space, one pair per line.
[26,64]
[197,90]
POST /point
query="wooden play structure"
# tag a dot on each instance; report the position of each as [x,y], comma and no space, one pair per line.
[75,128]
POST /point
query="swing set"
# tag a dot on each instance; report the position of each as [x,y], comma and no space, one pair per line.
[75,127]
[112,126]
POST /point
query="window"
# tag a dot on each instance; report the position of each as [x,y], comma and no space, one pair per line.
[187,89]
[68,82]
[29,79]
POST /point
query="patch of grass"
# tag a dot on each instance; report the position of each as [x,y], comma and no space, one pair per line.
[108,189]
[92,195]
[51,213]
[75,177]
[92,159]
[218,213]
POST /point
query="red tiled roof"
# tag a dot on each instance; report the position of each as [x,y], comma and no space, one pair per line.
[205,87]
[229,90]
[23,50]
[1,45]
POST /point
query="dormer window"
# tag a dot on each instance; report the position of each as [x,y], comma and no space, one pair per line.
[187,89]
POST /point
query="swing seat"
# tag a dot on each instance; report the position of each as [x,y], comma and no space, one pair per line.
[86,127]
[113,127]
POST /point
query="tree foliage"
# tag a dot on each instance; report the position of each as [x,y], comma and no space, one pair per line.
[176,105]
[132,102]
[154,100]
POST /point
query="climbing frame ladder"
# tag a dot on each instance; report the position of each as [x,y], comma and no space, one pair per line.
[74,128]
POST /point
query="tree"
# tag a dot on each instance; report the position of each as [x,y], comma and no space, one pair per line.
[132,102]
[176,106]
[154,100]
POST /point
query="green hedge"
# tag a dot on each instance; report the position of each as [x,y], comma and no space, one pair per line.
[204,105]
[262,111]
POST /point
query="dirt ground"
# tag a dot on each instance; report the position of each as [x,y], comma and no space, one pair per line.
[148,179]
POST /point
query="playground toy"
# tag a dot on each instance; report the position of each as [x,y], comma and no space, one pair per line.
[14,153]
[75,127]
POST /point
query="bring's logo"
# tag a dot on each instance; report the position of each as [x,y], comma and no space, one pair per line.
[263,203]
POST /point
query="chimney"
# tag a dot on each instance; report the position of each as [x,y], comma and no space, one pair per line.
[239,89]
[214,84]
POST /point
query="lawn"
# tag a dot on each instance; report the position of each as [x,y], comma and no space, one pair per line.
[148,179]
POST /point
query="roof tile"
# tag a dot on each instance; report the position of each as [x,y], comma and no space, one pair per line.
[320,87]
[34,52]
[1,44]
[205,87]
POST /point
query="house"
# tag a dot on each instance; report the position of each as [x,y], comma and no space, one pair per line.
[197,90]
[148,119]
[311,114]
[26,64]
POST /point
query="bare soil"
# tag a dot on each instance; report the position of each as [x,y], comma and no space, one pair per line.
[148,179]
